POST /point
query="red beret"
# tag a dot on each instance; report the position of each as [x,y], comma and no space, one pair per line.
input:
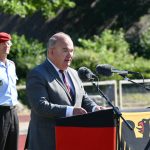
[4,37]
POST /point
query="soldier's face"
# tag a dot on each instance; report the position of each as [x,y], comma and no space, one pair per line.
[5,47]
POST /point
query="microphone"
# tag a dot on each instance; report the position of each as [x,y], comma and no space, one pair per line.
[86,74]
[107,70]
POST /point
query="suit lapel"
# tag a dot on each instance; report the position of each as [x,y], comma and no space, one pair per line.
[55,75]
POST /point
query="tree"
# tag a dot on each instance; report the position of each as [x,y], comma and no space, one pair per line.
[49,8]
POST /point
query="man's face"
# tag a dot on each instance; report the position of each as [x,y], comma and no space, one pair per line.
[62,54]
[5,48]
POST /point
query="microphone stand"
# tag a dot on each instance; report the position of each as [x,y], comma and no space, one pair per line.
[127,79]
[117,112]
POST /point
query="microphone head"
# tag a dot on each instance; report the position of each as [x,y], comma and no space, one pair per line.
[104,69]
[85,74]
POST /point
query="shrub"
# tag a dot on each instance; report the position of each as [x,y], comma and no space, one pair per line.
[145,43]
[26,54]
[109,48]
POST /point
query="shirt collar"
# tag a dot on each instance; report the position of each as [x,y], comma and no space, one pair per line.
[7,63]
[56,68]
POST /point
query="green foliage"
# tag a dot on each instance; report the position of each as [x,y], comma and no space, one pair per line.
[106,48]
[22,97]
[140,46]
[26,54]
[145,43]
[23,8]
[109,48]
[108,41]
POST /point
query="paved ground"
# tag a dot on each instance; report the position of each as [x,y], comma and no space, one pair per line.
[23,127]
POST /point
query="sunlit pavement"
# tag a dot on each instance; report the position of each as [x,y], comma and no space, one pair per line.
[23,128]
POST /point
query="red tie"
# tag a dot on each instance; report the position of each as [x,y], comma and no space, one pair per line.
[65,81]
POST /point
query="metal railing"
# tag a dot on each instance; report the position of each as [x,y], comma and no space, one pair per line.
[124,82]
[102,83]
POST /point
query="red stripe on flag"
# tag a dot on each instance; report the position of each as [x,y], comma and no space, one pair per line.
[84,138]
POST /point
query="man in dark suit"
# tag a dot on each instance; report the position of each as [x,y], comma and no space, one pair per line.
[54,90]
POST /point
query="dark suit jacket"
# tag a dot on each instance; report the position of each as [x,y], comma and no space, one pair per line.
[48,99]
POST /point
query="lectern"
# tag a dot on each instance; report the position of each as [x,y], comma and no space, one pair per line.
[92,131]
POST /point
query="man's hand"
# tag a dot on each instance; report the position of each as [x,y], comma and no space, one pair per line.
[79,111]
[97,108]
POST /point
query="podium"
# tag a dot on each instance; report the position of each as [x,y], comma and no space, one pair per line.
[92,131]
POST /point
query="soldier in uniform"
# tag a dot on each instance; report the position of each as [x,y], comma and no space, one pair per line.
[9,125]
